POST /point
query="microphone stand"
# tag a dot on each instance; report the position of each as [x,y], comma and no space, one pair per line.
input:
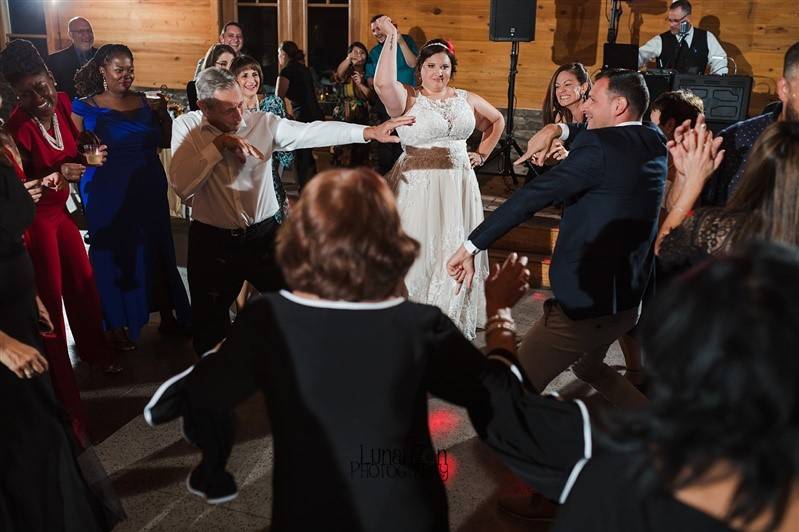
[507,143]
[675,61]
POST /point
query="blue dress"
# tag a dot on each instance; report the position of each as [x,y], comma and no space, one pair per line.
[127,212]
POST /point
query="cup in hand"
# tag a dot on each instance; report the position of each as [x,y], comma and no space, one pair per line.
[92,154]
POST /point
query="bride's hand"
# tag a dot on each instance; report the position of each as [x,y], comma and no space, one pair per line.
[476,159]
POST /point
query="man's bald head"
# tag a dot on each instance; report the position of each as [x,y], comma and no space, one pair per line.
[81,34]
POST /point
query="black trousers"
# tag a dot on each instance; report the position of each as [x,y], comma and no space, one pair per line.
[220,260]
[306,166]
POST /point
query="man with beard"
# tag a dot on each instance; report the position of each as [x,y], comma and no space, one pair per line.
[739,138]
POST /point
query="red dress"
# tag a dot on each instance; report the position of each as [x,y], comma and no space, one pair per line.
[60,262]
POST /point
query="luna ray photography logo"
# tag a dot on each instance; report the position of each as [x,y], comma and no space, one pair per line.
[381,462]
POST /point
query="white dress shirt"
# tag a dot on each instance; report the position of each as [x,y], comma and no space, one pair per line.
[716,56]
[227,193]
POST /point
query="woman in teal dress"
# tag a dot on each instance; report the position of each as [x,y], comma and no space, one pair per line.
[125,200]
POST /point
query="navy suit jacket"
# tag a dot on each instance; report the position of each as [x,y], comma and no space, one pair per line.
[64,64]
[611,186]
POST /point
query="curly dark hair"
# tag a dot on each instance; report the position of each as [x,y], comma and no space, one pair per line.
[721,346]
[430,48]
[325,247]
[20,59]
[89,80]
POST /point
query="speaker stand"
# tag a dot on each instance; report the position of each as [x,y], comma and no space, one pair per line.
[507,142]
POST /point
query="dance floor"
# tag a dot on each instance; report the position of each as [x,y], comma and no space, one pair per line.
[149,466]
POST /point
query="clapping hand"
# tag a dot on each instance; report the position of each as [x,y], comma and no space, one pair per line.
[557,152]
[238,146]
[696,153]
[540,145]
[507,284]
[383,132]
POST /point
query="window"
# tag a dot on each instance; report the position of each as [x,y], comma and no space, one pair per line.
[258,21]
[328,35]
[26,21]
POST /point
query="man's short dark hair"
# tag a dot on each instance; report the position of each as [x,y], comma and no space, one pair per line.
[685,5]
[629,84]
[374,18]
[232,23]
[791,61]
[680,105]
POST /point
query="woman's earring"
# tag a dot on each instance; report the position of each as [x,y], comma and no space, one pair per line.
[105,84]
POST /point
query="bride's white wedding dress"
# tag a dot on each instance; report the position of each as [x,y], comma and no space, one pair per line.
[439,203]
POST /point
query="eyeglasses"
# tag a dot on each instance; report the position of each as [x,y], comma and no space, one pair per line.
[675,20]
[82,32]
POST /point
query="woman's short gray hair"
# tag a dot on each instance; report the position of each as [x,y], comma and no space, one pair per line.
[211,80]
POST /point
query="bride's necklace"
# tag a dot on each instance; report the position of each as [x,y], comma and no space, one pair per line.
[57,143]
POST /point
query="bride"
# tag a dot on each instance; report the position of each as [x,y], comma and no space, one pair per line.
[437,193]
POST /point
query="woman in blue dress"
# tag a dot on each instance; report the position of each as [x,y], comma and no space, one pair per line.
[125,200]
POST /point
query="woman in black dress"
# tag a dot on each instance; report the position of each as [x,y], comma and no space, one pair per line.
[716,448]
[41,487]
[295,83]
[346,367]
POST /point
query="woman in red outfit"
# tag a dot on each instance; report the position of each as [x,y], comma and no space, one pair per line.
[47,141]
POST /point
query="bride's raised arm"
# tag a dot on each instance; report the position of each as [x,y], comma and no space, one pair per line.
[392,93]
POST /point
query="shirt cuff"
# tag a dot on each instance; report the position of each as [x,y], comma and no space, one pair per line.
[357,135]
[471,248]
[564,131]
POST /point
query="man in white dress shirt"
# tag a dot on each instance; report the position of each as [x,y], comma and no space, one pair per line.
[221,159]
[684,48]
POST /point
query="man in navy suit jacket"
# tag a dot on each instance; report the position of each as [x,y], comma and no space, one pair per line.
[611,186]
[64,63]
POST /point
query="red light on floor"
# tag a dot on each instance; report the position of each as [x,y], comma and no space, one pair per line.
[442,422]
[447,465]
[538,296]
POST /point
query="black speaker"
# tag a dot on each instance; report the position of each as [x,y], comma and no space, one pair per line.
[512,20]
[657,83]
[726,97]
[620,56]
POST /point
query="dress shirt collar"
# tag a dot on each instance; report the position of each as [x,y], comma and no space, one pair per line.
[342,305]
[630,123]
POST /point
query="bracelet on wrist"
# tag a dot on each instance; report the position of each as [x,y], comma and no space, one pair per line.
[501,326]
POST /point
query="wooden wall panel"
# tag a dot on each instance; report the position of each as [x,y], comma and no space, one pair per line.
[754,33]
[166,36]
